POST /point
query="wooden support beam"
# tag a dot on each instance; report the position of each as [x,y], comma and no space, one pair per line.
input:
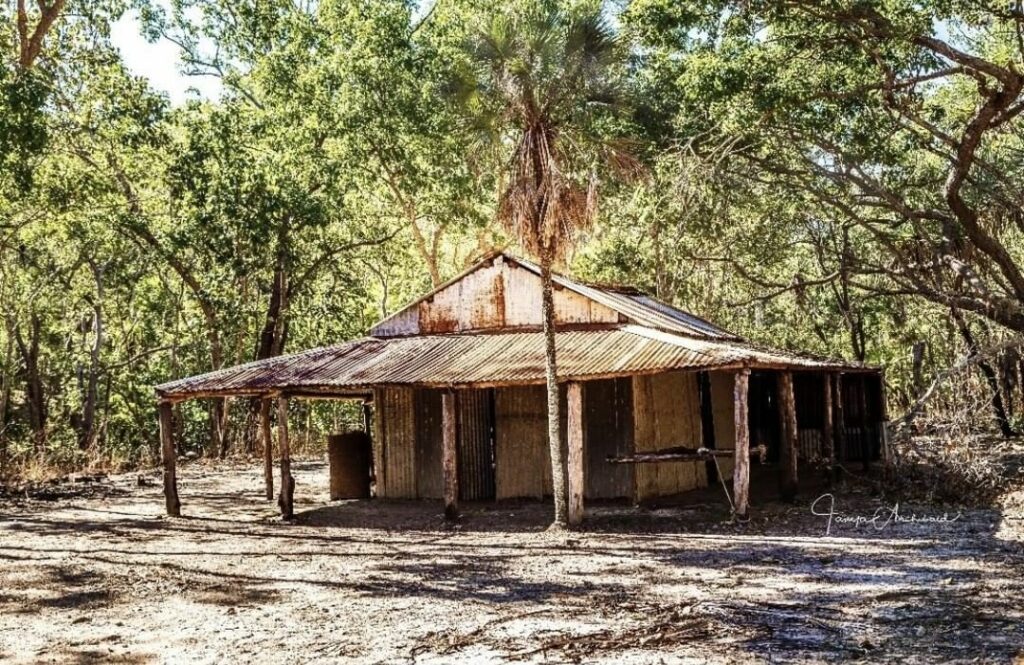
[828,430]
[449,453]
[574,459]
[170,459]
[681,454]
[842,451]
[286,498]
[867,441]
[268,448]
[741,467]
[790,452]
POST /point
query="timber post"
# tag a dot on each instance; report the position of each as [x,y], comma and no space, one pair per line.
[828,431]
[268,448]
[574,460]
[449,454]
[286,498]
[840,423]
[741,466]
[790,456]
[868,445]
[169,455]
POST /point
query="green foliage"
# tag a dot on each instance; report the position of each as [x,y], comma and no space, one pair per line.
[787,193]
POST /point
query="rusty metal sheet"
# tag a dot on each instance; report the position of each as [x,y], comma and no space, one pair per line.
[467,359]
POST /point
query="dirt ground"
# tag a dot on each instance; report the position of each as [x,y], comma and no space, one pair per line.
[91,572]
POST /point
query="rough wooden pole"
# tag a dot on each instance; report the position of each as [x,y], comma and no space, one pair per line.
[268,448]
[741,466]
[285,499]
[449,454]
[574,440]
[790,439]
[827,430]
[867,441]
[840,416]
[170,460]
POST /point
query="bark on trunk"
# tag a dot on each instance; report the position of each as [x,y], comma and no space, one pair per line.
[998,408]
[87,432]
[30,45]
[220,420]
[917,368]
[271,339]
[35,393]
[6,378]
[559,483]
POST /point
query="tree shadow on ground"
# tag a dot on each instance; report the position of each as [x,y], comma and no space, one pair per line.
[646,578]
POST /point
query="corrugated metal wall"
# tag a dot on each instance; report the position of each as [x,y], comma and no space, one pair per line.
[863,411]
[476,448]
[809,396]
[522,462]
[666,412]
[429,472]
[607,430]
[722,410]
[395,449]
[643,413]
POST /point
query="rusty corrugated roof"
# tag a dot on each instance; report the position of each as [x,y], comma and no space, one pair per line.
[639,307]
[483,359]
[631,303]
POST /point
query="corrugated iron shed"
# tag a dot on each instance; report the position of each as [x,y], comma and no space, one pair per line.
[485,359]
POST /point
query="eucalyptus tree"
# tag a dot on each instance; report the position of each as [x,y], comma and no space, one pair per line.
[894,124]
[544,82]
[901,117]
[269,184]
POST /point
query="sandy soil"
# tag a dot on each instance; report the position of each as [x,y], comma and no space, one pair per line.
[91,572]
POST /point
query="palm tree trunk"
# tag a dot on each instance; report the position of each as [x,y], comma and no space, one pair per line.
[559,485]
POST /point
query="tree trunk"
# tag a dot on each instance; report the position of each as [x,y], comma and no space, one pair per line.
[87,431]
[998,409]
[917,368]
[35,394]
[271,340]
[220,420]
[30,44]
[1009,382]
[6,378]
[558,478]
[134,226]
